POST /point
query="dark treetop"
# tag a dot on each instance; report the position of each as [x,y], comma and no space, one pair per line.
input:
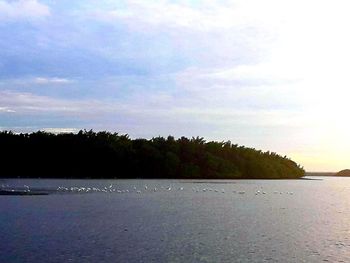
[109,155]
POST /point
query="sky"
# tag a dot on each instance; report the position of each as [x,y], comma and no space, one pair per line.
[269,74]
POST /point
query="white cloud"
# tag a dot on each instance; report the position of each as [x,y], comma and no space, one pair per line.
[43,80]
[34,81]
[29,129]
[23,9]
[152,106]
[57,130]
[209,15]
[6,110]
[240,87]
[27,103]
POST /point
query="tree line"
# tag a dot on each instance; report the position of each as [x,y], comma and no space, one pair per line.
[89,154]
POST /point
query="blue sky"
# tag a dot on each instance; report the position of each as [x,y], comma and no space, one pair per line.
[269,75]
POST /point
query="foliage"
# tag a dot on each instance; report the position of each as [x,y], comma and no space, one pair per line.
[88,154]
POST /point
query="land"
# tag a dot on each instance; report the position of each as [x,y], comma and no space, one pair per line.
[345,173]
[320,174]
[342,173]
[89,154]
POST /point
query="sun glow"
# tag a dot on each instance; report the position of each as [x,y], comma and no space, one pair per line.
[308,61]
[312,52]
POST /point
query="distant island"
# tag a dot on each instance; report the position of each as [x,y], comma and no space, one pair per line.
[89,154]
[344,173]
[320,174]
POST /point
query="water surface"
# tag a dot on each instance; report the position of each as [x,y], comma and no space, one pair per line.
[180,221]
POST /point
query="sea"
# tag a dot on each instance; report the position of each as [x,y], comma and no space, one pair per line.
[304,220]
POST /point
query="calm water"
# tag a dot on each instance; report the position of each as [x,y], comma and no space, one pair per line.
[286,221]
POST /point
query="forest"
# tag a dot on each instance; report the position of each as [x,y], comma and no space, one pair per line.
[89,154]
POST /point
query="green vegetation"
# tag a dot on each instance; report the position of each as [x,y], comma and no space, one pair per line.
[109,155]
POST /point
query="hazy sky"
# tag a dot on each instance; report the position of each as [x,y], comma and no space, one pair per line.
[270,74]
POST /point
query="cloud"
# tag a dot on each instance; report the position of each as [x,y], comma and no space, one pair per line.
[23,9]
[208,16]
[152,108]
[43,80]
[33,82]
[153,14]
[60,130]
[6,110]
[28,103]
[29,129]
[239,87]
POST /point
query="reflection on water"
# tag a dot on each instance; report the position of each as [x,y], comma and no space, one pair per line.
[176,221]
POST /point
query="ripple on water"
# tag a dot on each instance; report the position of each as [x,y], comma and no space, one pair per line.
[169,220]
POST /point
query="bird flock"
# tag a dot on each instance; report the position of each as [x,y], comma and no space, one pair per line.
[6,187]
[148,189]
[151,189]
